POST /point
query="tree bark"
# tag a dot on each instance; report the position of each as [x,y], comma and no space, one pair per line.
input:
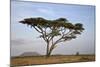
[50,51]
[47,49]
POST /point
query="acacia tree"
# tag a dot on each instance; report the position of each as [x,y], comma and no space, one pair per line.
[54,31]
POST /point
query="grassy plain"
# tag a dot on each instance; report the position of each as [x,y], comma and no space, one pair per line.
[37,60]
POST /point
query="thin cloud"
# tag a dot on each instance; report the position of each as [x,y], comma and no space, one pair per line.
[23,41]
[46,11]
[17,42]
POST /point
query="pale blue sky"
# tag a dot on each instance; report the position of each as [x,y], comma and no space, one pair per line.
[25,39]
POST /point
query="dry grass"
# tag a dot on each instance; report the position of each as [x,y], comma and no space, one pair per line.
[35,60]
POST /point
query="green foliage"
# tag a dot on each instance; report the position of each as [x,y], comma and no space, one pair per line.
[61,22]
[55,33]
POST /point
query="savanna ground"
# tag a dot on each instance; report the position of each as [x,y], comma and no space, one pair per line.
[37,60]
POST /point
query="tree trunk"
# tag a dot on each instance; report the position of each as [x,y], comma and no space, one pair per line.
[47,49]
[51,49]
[48,54]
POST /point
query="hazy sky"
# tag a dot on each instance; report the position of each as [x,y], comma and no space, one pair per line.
[25,39]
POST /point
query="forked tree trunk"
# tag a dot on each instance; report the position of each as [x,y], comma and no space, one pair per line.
[49,50]
[49,53]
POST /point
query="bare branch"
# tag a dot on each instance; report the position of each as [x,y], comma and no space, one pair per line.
[37,29]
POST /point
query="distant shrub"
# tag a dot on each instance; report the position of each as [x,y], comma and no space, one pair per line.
[77,53]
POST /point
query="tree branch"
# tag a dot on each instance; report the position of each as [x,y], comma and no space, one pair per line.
[37,29]
[59,40]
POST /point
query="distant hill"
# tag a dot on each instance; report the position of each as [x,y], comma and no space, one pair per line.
[30,54]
